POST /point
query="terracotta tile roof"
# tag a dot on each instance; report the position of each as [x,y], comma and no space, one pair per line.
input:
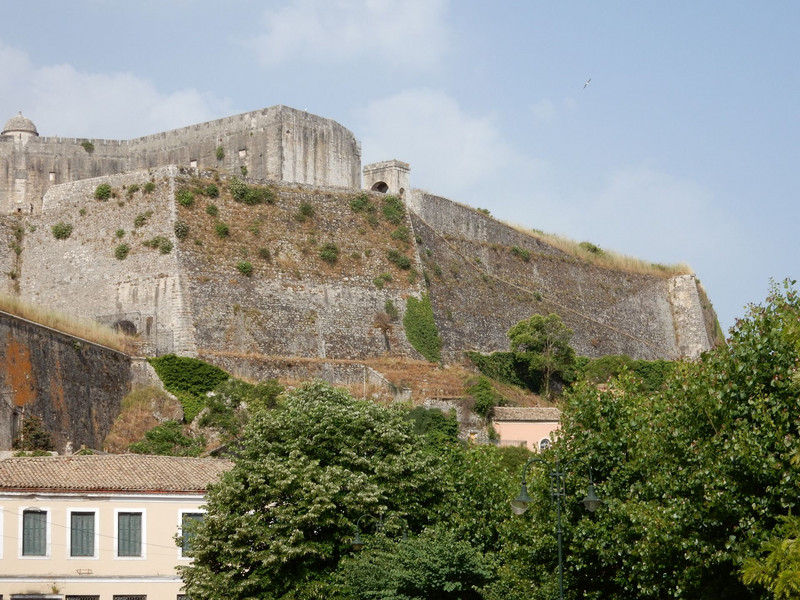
[518,413]
[110,473]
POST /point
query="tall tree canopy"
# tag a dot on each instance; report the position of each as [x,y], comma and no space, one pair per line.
[279,522]
[545,343]
[696,476]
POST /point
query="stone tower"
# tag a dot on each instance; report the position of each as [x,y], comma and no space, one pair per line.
[388,177]
[18,130]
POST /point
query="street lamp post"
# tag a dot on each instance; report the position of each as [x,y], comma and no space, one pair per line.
[557,473]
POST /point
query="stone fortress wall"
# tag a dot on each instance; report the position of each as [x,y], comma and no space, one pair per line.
[296,315]
[470,262]
[278,143]
[192,302]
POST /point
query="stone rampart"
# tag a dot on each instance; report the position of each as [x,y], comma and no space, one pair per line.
[82,275]
[278,143]
[486,276]
[193,297]
[75,386]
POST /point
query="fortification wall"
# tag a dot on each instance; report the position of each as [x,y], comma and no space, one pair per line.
[295,303]
[76,387]
[81,275]
[480,287]
[277,143]
[194,298]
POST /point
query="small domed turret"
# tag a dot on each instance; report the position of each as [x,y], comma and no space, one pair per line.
[19,124]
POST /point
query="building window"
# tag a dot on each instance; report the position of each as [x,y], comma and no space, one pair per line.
[193,163]
[544,444]
[34,533]
[140,597]
[242,153]
[129,535]
[81,534]
[189,520]
[80,598]
[52,175]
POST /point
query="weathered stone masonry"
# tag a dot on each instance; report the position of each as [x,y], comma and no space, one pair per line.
[278,143]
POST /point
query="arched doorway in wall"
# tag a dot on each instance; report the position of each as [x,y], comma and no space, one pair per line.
[380,186]
[125,327]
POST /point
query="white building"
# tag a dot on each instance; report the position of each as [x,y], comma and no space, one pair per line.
[98,527]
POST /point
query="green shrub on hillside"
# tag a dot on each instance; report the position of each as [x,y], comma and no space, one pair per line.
[393,209]
[61,230]
[185,197]
[168,439]
[434,424]
[121,251]
[141,219]
[149,187]
[521,253]
[361,203]
[591,248]
[102,191]
[399,259]
[382,280]
[189,379]
[222,230]
[486,397]
[181,229]
[159,242]
[329,253]
[505,367]
[241,192]
[402,234]
[245,268]
[421,328]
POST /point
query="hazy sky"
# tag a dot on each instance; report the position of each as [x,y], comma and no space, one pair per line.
[683,147]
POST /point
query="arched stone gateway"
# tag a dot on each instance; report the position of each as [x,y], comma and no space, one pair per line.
[126,327]
[388,177]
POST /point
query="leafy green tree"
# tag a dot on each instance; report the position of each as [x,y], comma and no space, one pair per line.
[696,476]
[545,343]
[280,521]
[778,569]
[436,565]
[33,436]
[168,439]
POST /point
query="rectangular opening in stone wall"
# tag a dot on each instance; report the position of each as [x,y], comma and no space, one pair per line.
[242,153]
[193,163]
[52,175]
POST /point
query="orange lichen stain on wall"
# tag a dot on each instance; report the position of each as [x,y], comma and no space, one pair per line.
[17,371]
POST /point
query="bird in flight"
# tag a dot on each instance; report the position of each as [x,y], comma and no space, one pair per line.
[588,81]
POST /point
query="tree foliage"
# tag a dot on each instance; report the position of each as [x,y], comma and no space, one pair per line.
[545,344]
[695,476]
[168,439]
[279,522]
[437,565]
[778,569]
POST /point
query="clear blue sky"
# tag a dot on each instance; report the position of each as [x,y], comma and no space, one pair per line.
[683,148]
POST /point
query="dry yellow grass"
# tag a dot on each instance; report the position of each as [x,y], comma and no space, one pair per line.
[605,258]
[69,324]
[609,258]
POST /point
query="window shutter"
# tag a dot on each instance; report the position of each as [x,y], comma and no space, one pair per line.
[82,534]
[34,533]
[129,534]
